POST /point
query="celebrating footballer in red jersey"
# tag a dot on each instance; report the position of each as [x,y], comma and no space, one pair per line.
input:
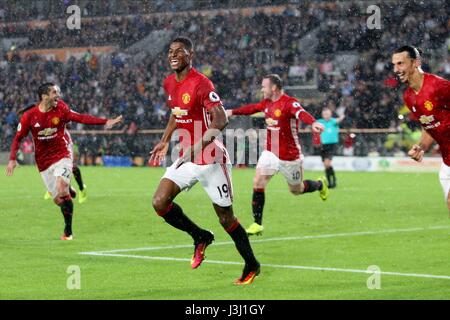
[428,98]
[199,118]
[283,152]
[47,122]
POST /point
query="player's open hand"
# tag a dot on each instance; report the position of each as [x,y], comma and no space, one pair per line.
[159,152]
[317,127]
[12,164]
[229,113]
[416,153]
[111,122]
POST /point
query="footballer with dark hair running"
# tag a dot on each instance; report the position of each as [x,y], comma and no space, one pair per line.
[47,121]
[428,98]
[198,116]
[282,152]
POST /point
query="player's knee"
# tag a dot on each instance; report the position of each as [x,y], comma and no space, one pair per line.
[62,193]
[159,203]
[296,190]
[227,221]
[259,183]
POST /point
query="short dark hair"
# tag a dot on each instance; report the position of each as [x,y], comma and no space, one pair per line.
[413,52]
[186,41]
[44,89]
[275,79]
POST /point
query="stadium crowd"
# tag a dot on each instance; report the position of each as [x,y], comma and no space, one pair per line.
[230,49]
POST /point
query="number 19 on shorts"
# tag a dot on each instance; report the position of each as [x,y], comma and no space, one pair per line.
[223,191]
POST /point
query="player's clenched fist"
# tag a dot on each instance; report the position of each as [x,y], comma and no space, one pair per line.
[416,153]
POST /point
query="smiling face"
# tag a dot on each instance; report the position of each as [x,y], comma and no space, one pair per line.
[179,57]
[52,96]
[404,66]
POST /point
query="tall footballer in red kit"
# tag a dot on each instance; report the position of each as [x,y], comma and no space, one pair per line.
[198,116]
[283,151]
[428,98]
[47,121]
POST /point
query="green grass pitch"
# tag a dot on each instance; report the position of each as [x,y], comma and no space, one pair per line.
[310,249]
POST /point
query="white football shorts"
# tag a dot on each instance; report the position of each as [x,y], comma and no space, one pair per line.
[214,178]
[63,169]
[444,178]
[270,164]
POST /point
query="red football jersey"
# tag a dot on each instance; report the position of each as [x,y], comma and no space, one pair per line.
[189,101]
[282,124]
[49,132]
[431,106]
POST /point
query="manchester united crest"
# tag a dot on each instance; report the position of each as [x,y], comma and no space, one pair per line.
[428,105]
[277,113]
[55,120]
[186,98]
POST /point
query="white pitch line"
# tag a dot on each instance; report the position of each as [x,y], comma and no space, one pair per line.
[320,236]
[280,266]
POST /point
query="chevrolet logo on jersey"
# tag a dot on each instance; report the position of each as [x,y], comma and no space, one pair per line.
[271,122]
[178,112]
[428,105]
[47,132]
[426,119]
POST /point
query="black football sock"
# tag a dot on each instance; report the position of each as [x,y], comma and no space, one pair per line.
[258,205]
[175,216]
[311,186]
[242,243]
[329,173]
[77,174]
[333,176]
[67,211]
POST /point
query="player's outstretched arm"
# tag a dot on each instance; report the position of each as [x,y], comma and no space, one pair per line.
[112,122]
[417,151]
[88,119]
[160,150]
[248,109]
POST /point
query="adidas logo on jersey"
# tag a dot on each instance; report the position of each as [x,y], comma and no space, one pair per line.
[37,125]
